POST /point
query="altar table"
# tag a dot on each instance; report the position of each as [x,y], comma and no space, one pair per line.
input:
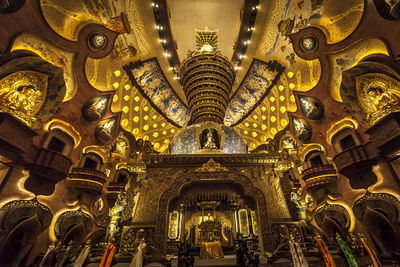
[211,250]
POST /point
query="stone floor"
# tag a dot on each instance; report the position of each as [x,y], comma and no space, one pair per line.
[230,261]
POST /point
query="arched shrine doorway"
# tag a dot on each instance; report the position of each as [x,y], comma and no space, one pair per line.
[206,206]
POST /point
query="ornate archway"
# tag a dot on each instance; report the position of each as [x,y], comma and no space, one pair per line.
[21,221]
[380,214]
[213,174]
[331,218]
[73,225]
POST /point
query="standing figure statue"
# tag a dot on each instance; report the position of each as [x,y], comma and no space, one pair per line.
[302,204]
[115,214]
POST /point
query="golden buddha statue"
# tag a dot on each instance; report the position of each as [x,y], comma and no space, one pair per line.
[381,99]
[21,99]
[22,94]
[210,142]
[382,102]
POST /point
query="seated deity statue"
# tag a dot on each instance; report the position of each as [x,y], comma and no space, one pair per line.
[96,108]
[23,99]
[381,99]
[383,102]
[210,142]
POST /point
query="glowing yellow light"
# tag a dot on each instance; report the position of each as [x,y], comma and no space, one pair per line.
[273,108]
[98,151]
[155,125]
[146,137]
[292,86]
[154,117]
[283,109]
[272,99]
[254,134]
[137,98]
[246,124]
[263,108]
[311,147]
[136,131]
[245,132]
[281,87]
[292,98]
[290,74]
[136,118]
[273,118]
[255,117]
[136,108]
[336,127]
[157,145]
[155,134]
[284,122]
[166,141]
[172,130]
[117,73]
[282,98]
[255,125]
[115,85]
[124,123]
[263,127]
[264,138]
[127,86]
[146,127]
[146,108]
[155,101]
[125,109]
[146,118]
[65,127]
[126,97]
[115,98]
[252,145]
[263,117]
[164,132]
[273,131]
[163,124]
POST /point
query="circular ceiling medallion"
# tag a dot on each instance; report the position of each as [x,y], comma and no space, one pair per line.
[308,43]
[97,41]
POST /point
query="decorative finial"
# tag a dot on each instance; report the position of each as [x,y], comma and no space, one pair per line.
[206,40]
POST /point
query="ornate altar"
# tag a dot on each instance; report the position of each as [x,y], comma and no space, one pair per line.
[211,250]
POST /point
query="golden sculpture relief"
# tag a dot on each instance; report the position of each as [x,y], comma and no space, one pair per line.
[119,149]
[52,54]
[22,94]
[378,95]
[115,216]
[211,166]
[210,143]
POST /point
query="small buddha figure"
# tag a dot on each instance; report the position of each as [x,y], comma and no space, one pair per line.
[96,109]
[22,99]
[382,103]
[106,131]
[382,100]
[119,148]
[210,142]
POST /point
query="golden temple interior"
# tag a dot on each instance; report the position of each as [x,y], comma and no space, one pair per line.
[213,133]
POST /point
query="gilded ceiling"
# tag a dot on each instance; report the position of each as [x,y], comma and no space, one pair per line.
[274,22]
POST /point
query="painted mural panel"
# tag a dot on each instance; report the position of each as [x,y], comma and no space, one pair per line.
[259,80]
[151,80]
